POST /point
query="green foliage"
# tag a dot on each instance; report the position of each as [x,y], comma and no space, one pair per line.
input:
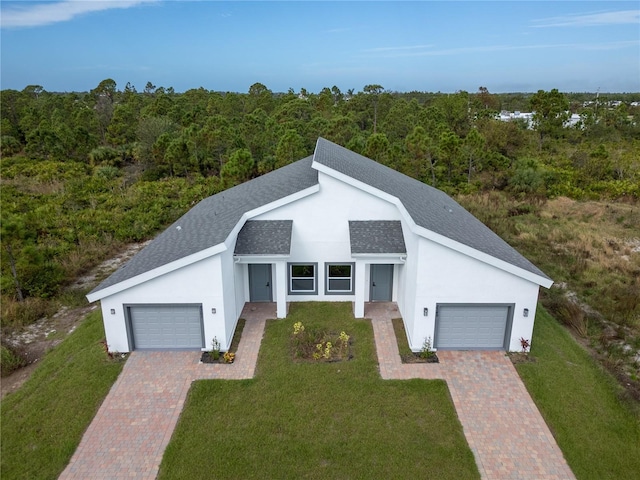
[528,178]
[43,421]
[599,434]
[426,351]
[238,169]
[318,420]
[9,145]
[101,167]
[10,361]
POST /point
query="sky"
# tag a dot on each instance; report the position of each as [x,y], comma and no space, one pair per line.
[505,46]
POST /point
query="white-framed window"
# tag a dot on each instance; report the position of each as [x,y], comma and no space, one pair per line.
[339,278]
[303,278]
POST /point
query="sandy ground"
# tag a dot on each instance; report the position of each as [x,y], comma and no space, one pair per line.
[36,339]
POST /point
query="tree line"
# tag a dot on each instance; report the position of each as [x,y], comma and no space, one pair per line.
[85,172]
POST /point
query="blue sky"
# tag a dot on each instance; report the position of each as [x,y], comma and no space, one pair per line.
[506,46]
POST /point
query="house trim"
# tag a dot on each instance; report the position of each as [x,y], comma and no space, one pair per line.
[430,235]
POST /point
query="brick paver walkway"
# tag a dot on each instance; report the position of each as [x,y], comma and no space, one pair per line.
[132,428]
[503,427]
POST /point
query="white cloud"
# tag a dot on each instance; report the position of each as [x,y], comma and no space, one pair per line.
[597,19]
[33,15]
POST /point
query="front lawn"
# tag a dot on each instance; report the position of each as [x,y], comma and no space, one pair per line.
[598,433]
[300,419]
[43,422]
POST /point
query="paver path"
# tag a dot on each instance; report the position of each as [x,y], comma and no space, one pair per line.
[502,425]
[133,426]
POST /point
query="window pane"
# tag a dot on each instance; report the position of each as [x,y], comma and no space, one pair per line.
[340,271]
[302,271]
[340,284]
[302,285]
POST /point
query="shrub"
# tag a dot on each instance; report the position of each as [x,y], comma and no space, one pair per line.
[426,351]
[16,314]
[319,345]
[215,348]
[10,360]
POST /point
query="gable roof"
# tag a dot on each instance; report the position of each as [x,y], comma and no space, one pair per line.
[429,207]
[376,236]
[213,219]
[265,237]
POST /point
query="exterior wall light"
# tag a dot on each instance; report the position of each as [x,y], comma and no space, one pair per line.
[425,312]
[113,311]
[213,310]
[525,312]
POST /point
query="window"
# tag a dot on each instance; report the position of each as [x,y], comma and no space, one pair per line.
[302,278]
[340,278]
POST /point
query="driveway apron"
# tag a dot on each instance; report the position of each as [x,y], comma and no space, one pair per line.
[134,424]
[504,429]
[502,425]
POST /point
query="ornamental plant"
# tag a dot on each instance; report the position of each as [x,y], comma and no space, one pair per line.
[215,348]
[426,351]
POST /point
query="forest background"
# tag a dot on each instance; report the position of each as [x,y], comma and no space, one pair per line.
[84,174]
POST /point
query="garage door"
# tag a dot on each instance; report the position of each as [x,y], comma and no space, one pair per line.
[471,327]
[166,326]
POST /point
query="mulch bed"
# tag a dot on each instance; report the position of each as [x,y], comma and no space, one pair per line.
[208,358]
[416,358]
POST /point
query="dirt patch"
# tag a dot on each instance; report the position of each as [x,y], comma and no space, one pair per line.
[34,341]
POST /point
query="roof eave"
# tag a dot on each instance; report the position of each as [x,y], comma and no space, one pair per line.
[156,272]
[433,236]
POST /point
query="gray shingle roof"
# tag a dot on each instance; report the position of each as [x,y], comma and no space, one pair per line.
[211,220]
[265,237]
[376,236]
[429,207]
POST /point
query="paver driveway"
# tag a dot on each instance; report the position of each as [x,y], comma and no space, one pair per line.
[128,435]
[508,436]
[502,425]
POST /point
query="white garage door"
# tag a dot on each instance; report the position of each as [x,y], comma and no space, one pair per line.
[166,326]
[471,327]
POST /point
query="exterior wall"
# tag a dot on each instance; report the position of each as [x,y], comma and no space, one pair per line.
[407,280]
[321,229]
[431,274]
[200,283]
[446,276]
[230,310]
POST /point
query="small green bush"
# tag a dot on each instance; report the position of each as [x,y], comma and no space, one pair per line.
[10,361]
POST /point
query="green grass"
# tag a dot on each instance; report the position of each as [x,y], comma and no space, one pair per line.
[598,432]
[304,420]
[43,422]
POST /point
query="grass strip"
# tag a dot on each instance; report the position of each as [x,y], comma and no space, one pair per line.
[598,431]
[311,420]
[43,422]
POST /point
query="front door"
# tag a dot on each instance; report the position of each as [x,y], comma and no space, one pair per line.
[260,282]
[381,283]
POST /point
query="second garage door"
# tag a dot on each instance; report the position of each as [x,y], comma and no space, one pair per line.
[471,327]
[166,326]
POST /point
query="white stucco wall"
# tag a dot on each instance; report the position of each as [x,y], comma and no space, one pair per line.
[432,273]
[321,228]
[198,283]
[446,276]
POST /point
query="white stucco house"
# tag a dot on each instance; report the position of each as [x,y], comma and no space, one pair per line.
[335,226]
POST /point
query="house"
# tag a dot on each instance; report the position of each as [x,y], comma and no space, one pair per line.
[335,226]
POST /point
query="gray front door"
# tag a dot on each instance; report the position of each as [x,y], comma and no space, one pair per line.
[260,282]
[381,283]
